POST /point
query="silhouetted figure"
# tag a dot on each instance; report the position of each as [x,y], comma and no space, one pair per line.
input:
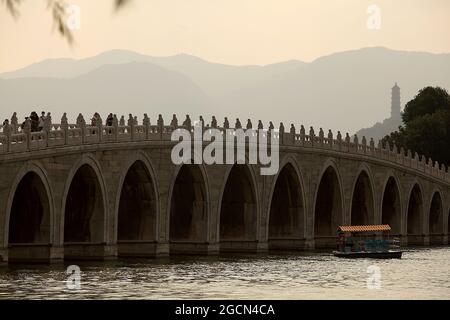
[260,125]
[42,121]
[174,122]
[109,120]
[214,122]
[95,122]
[34,121]
[226,123]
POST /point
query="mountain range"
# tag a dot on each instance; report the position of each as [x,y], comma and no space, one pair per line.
[343,91]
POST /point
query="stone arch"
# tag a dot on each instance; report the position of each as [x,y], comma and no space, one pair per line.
[188,208]
[362,205]
[238,217]
[30,211]
[85,204]
[328,202]
[415,211]
[391,204]
[435,216]
[137,204]
[286,207]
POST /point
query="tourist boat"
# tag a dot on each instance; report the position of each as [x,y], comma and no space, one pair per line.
[369,241]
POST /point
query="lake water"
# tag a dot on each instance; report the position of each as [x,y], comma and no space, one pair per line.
[420,274]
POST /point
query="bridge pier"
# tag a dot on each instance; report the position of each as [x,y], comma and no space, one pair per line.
[414,240]
[328,242]
[437,239]
[34,253]
[89,251]
[142,249]
[288,244]
[244,246]
[194,248]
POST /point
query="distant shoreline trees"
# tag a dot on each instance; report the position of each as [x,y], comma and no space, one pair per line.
[426,128]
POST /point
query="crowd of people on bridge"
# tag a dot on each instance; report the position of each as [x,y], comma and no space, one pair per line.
[37,123]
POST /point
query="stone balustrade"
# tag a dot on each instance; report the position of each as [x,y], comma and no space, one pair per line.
[14,139]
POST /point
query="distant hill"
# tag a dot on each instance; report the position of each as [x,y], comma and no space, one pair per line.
[122,89]
[344,91]
[380,129]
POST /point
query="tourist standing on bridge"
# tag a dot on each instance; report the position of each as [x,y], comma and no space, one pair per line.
[95,122]
[34,121]
[109,120]
[41,121]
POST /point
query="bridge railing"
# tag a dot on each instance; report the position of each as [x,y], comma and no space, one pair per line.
[18,139]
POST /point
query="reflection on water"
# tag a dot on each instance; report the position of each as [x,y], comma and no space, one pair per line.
[421,273]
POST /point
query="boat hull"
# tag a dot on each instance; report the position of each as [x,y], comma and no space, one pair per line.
[373,255]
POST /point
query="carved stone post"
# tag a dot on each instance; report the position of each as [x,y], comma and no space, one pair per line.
[364,144]
[131,126]
[302,134]
[115,125]
[82,125]
[321,137]
[160,124]
[100,128]
[146,123]
[27,131]
[281,131]
[47,128]
[65,127]
[312,135]
[7,128]
[292,133]
[14,123]
[330,139]
[339,140]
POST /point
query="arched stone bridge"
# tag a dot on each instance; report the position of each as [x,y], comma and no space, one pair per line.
[79,191]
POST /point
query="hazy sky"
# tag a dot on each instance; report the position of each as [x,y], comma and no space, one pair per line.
[226,31]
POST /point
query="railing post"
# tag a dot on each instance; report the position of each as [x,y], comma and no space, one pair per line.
[302,135]
[47,128]
[281,133]
[339,140]
[146,123]
[131,125]
[100,129]
[82,125]
[65,127]
[14,123]
[7,132]
[160,124]
[115,127]
[27,131]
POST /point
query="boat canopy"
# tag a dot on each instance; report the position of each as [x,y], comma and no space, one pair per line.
[367,228]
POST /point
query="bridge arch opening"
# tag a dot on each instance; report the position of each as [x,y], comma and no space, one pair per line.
[137,205]
[238,213]
[29,220]
[391,206]
[287,206]
[436,214]
[415,210]
[328,206]
[362,202]
[84,209]
[188,209]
